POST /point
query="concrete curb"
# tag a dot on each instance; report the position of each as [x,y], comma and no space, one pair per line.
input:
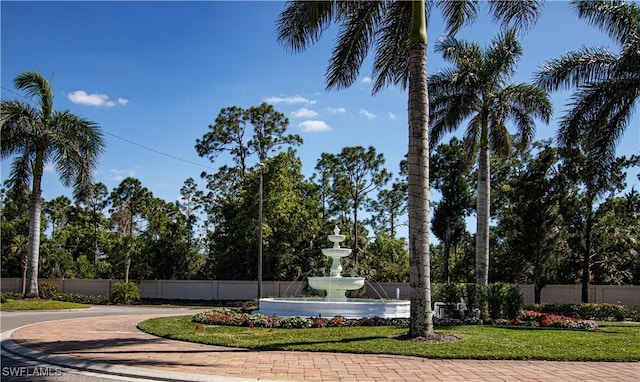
[108,369]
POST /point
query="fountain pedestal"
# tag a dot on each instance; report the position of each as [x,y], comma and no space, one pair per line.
[336,285]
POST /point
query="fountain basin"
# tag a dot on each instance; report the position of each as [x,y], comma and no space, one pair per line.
[336,286]
[336,252]
[319,307]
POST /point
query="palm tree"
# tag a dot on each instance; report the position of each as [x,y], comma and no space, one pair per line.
[397,29]
[607,85]
[35,137]
[477,88]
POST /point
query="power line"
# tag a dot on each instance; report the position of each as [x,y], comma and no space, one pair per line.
[18,94]
[125,139]
[158,151]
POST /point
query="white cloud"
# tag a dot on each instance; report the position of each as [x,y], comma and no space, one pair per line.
[366,80]
[304,113]
[392,116]
[120,175]
[290,100]
[314,126]
[94,99]
[367,114]
[337,110]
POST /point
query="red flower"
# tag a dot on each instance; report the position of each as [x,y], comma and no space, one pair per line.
[197,327]
[251,325]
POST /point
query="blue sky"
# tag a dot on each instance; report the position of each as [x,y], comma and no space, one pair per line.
[156,74]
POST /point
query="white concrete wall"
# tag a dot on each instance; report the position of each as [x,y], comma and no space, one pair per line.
[628,295]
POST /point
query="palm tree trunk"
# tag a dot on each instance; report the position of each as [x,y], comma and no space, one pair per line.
[127,266]
[34,230]
[586,260]
[127,255]
[421,322]
[25,266]
[483,207]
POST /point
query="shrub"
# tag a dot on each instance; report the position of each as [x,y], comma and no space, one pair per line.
[513,301]
[476,298]
[495,297]
[124,293]
[47,290]
[5,296]
[447,321]
[82,298]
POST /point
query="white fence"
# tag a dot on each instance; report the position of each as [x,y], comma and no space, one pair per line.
[628,295]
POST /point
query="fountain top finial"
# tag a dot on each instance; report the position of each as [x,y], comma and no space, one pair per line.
[336,237]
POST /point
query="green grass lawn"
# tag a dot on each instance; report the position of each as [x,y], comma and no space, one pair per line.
[612,342]
[28,304]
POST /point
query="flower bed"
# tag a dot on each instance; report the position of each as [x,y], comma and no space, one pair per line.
[547,320]
[225,316]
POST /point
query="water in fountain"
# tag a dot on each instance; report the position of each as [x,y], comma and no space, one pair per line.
[335,303]
[298,278]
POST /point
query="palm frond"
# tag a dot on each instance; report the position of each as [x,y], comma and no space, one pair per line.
[447,80]
[357,31]
[599,115]
[599,104]
[76,148]
[17,122]
[458,13]
[472,136]
[459,52]
[391,64]
[448,112]
[522,103]
[501,57]
[37,86]
[629,60]
[520,15]
[576,68]
[620,20]
[22,171]
[531,100]
[451,101]
[303,22]
[604,139]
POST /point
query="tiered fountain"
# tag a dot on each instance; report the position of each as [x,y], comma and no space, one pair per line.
[335,303]
[336,285]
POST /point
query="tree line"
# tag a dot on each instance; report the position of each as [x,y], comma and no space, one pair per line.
[547,222]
